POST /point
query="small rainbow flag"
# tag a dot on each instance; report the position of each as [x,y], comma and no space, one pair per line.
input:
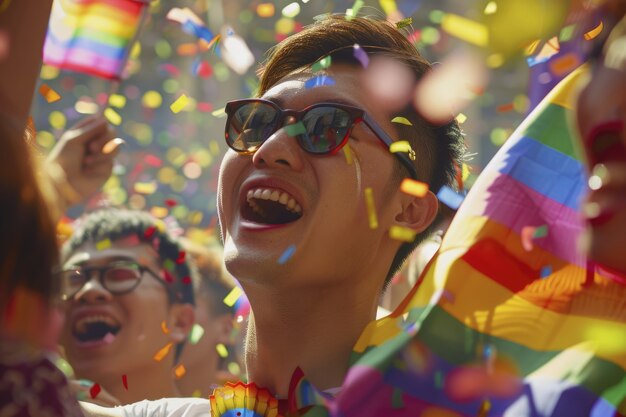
[92,36]
[495,326]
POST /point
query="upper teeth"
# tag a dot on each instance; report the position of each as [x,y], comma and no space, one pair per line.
[80,323]
[274,195]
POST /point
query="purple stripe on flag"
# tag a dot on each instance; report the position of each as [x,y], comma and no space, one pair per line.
[80,58]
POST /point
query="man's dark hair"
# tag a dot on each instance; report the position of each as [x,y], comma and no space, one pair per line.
[441,147]
[118,223]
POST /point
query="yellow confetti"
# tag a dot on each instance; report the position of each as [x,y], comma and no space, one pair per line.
[401,120]
[465,171]
[179,104]
[164,327]
[594,32]
[162,352]
[233,296]
[117,100]
[48,93]
[219,112]
[180,371]
[371,208]
[402,233]
[412,187]
[347,152]
[461,118]
[400,146]
[112,116]
[103,244]
[145,187]
[265,9]
[465,29]
[221,350]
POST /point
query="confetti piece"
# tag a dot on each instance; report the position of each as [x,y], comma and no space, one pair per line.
[265,9]
[484,409]
[412,187]
[354,10]
[169,265]
[49,94]
[221,350]
[396,399]
[545,272]
[291,10]
[319,81]
[541,231]
[164,327]
[287,254]
[117,100]
[179,104]
[371,208]
[94,390]
[438,379]
[401,120]
[149,232]
[461,118]
[196,334]
[219,112]
[490,8]
[465,29]
[236,54]
[594,32]
[347,152]
[563,64]
[181,257]
[112,116]
[233,296]
[125,381]
[186,280]
[566,33]
[103,244]
[400,146]
[404,23]
[162,353]
[321,64]
[196,394]
[295,129]
[360,54]
[505,108]
[180,371]
[145,187]
[402,233]
[170,202]
[449,197]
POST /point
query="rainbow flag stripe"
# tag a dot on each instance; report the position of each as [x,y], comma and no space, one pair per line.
[486,331]
[92,36]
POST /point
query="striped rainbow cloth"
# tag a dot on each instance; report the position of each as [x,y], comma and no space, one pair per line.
[495,326]
[92,36]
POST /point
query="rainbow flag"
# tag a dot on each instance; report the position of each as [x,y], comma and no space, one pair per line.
[92,36]
[502,322]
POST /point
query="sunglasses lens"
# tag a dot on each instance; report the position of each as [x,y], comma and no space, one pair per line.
[250,125]
[121,278]
[326,128]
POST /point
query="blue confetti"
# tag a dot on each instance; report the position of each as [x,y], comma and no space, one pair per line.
[546,271]
[319,81]
[449,197]
[287,254]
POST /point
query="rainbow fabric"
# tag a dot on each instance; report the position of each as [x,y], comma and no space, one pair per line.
[92,36]
[494,328]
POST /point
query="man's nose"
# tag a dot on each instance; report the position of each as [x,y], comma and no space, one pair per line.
[281,150]
[92,291]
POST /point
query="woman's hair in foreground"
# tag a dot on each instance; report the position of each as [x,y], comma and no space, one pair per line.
[28,246]
[440,147]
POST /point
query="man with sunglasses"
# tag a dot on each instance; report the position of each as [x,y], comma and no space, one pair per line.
[308,195]
[127,288]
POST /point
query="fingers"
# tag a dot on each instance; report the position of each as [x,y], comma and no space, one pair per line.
[87,129]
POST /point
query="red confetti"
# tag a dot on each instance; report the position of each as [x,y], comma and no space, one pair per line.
[505,108]
[204,69]
[168,277]
[153,160]
[94,390]
[149,232]
[187,280]
[170,202]
[181,257]
[125,381]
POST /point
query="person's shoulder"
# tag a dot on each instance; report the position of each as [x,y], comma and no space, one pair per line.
[165,407]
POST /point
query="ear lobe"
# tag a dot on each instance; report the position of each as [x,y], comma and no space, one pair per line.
[418,212]
[181,320]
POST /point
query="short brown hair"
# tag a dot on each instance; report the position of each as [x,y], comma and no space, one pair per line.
[442,146]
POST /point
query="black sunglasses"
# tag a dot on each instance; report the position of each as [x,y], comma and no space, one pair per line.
[117,278]
[323,128]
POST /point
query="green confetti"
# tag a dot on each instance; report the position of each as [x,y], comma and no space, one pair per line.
[321,64]
[566,33]
[221,350]
[354,10]
[196,334]
[169,265]
[396,399]
[295,129]
[541,231]
[404,23]
[64,367]
[438,379]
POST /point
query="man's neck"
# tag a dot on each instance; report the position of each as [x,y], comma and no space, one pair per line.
[311,330]
[148,383]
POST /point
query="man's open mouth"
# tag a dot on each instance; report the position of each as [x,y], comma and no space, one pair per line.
[270,206]
[95,328]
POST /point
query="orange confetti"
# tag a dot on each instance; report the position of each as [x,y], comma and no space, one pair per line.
[164,327]
[564,64]
[49,94]
[594,32]
[180,371]
[265,10]
[162,353]
[187,49]
[505,108]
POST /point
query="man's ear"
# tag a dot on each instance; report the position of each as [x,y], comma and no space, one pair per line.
[417,212]
[224,329]
[181,320]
